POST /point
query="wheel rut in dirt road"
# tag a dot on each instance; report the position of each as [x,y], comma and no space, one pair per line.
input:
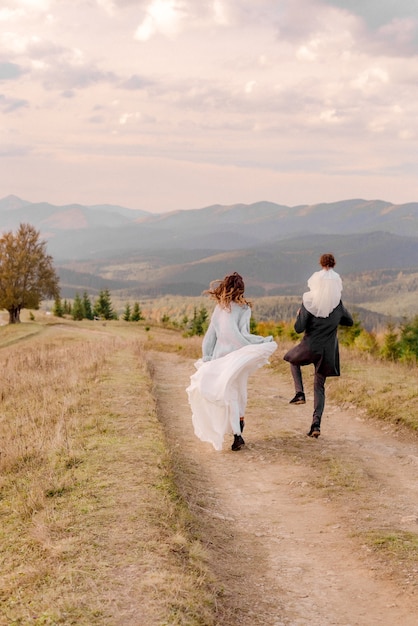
[286,516]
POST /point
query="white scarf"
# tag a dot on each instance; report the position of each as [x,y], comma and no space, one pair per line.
[325,293]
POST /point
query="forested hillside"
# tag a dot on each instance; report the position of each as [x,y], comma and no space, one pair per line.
[136,254]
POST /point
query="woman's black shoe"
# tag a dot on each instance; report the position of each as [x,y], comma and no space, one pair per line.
[238,443]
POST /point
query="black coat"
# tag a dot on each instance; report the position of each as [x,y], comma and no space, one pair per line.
[319,344]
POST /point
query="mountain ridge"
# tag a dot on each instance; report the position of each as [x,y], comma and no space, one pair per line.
[112,230]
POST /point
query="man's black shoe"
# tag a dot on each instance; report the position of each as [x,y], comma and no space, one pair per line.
[298,399]
[314,431]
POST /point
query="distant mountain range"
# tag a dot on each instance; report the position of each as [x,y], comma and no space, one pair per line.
[275,247]
[110,229]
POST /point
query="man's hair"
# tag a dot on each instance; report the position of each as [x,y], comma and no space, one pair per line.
[327,260]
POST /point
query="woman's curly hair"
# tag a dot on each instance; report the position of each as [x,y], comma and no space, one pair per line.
[230,289]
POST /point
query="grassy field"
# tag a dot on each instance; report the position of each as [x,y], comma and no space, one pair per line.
[77,540]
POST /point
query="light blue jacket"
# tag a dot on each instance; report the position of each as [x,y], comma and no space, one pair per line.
[229,330]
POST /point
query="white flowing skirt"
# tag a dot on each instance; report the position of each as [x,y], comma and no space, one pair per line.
[218,391]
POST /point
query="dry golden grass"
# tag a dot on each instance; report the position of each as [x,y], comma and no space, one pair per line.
[384,390]
[166,340]
[93,530]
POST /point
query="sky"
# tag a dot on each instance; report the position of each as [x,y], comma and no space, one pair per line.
[165,105]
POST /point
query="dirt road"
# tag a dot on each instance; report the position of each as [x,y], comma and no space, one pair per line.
[287,516]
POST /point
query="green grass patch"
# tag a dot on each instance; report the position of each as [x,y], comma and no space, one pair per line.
[395,544]
[339,475]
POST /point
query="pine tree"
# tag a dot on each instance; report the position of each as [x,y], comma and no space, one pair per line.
[136,313]
[103,306]
[87,308]
[199,322]
[127,314]
[391,347]
[409,339]
[77,308]
[58,309]
[347,334]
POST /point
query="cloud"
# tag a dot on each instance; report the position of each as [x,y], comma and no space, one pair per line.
[14,9]
[65,76]
[265,85]
[393,33]
[53,64]
[400,36]
[371,79]
[136,82]
[126,117]
[318,19]
[250,86]
[107,5]
[32,46]
[163,16]
[9,105]
[172,17]
[392,29]
[220,12]
[96,119]
[121,4]
[378,13]
[10,71]
[8,15]
[7,151]
[32,5]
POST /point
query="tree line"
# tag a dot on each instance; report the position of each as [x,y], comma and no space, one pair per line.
[83,308]
[398,343]
[27,276]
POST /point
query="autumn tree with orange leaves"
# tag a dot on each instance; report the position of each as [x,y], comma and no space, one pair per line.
[27,275]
